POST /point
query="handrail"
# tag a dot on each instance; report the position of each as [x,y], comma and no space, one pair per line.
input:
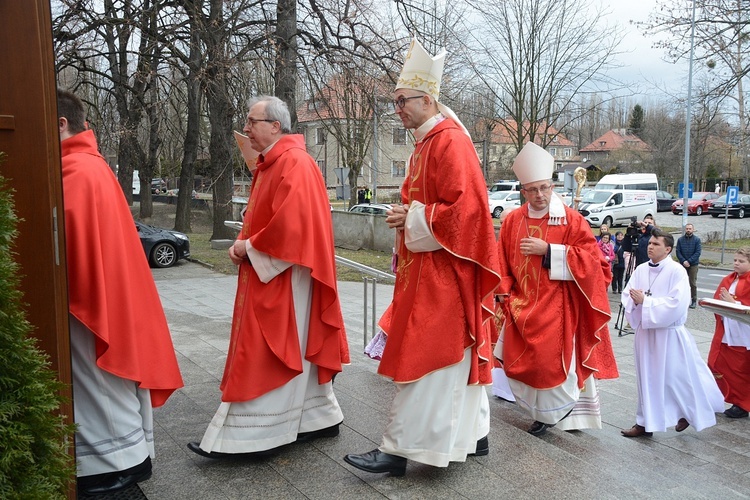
[364,269]
[341,260]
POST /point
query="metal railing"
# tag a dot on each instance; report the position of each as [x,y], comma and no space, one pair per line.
[372,278]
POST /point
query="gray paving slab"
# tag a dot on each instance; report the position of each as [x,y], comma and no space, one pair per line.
[714,463]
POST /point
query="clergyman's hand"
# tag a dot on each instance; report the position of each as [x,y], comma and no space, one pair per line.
[533,246]
[637,295]
[396,216]
[238,252]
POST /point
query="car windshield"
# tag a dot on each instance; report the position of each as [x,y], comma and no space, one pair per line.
[721,199]
[596,196]
[697,196]
[499,195]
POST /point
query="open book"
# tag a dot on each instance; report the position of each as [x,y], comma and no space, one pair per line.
[248,153]
[734,311]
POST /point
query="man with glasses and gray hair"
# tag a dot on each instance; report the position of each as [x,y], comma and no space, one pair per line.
[439,325]
[553,296]
[287,339]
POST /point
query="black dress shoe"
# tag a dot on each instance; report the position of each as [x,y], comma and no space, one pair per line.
[538,428]
[378,462]
[328,432]
[483,448]
[736,412]
[195,447]
[101,484]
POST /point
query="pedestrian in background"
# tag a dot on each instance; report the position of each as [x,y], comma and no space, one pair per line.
[618,266]
[689,255]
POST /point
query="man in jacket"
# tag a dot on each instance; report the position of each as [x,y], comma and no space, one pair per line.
[689,255]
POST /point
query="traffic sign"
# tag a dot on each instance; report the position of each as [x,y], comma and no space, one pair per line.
[681,187]
[733,194]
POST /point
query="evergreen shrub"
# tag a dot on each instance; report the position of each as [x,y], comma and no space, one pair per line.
[34,461]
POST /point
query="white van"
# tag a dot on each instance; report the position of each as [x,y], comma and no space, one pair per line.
[617,207]
[505,186]
[638,182]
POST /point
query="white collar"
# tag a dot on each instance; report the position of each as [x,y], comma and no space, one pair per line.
[423,129]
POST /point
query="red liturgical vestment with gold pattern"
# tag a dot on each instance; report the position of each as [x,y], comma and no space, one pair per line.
[443,299]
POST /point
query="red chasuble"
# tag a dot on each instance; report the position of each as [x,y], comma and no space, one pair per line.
[110,286]
[288,217]
[443,300]
[544,316]
[731,365]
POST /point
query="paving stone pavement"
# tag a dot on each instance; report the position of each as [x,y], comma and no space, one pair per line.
[714,463]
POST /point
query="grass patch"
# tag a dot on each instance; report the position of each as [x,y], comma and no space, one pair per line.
[218,260]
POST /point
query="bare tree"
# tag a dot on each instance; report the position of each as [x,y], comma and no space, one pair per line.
[113,39]
[721,44]
[538,58]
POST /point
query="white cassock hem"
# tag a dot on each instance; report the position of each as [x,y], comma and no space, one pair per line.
[439,418]
[114,417]
[275,418]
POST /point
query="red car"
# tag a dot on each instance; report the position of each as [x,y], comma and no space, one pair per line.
[697,204]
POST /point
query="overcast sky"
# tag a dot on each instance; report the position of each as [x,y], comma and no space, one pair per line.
[641,62]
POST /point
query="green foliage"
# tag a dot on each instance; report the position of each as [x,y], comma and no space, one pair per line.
[34,462]
[636,120]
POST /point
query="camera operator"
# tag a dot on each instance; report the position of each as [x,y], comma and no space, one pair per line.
[636,238]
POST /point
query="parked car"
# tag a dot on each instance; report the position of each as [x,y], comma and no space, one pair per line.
[664,201]
[697,204]
[176,192]
[739,209]
[158,186]
[504,200]
[163,247]
[566,195]
[505,186]
[370,208]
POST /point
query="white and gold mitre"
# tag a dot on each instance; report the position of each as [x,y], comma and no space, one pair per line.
[421,71]
[533,164]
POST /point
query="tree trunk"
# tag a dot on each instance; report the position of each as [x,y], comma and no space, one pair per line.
[285,72]
[220,113]
[192,132]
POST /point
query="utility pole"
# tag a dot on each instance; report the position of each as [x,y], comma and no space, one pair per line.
[374,145]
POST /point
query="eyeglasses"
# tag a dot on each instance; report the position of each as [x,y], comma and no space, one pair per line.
[540,189]
[401,101]
[252,121]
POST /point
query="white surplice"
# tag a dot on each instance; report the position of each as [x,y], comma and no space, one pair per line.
[114,416]
[736,333]
[301,405]
[673,380]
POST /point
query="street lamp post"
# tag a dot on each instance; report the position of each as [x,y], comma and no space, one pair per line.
[686,168]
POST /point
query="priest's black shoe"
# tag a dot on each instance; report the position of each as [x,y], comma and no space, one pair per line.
[483,448]
[378,462]
[111,482]
[735,412]
[195,447]
[538,428]
[328,432]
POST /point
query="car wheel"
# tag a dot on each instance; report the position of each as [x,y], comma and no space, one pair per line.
[715,216]
[608,221]
[741,213]
[163,255]
[699,211]
[496,213]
